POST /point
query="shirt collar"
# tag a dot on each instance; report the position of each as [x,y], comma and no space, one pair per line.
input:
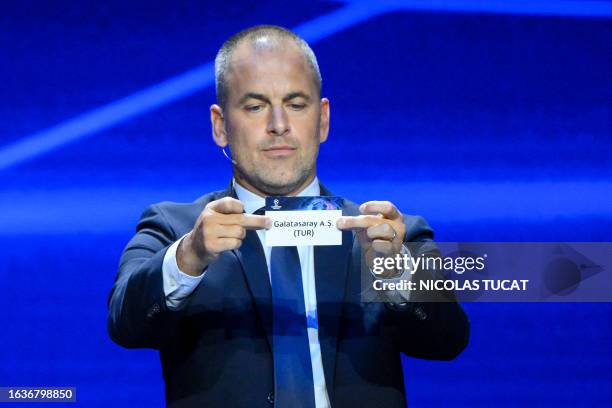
[252,202]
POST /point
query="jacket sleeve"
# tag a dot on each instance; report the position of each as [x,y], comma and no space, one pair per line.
[431,326]
[137,312]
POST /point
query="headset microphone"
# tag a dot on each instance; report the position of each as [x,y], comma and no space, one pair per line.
[228,157]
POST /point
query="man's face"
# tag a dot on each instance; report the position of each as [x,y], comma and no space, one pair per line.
[273,120]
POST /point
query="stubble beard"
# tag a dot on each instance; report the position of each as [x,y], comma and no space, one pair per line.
[271,183]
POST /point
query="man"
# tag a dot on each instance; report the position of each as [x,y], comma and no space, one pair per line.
[198,283]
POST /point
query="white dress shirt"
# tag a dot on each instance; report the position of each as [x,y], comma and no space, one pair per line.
[178,285]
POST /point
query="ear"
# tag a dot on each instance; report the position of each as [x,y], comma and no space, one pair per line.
[218,125]
[324,120]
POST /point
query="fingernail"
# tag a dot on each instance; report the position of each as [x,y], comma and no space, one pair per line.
[268,223]
[340,223]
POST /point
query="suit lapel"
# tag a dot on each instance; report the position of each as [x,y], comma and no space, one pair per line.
[253,263]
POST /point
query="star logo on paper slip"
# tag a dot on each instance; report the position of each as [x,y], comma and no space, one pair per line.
[276,206]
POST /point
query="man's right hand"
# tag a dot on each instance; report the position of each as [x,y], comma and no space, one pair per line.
[221,226]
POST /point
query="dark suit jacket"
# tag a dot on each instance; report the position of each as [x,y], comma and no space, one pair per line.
[216,351]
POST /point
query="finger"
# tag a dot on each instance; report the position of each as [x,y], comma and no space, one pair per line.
[250,221]
[386,208]
[381,231]
[359,221]
[229,219]
[382,246]
[226,244]
[226,205]
[231,231]
[256,222]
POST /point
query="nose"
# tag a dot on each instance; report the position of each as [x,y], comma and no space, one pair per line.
[278,123]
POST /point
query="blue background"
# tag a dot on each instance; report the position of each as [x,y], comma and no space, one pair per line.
[491,120]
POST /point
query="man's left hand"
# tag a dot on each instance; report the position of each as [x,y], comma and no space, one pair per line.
[380,229]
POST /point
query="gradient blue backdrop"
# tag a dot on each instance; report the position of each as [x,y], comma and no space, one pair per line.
[491,119]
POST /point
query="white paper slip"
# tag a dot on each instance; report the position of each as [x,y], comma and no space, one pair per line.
[296,228]
[303,220]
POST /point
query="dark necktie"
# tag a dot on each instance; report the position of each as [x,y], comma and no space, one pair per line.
[292,363]
[293,381]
